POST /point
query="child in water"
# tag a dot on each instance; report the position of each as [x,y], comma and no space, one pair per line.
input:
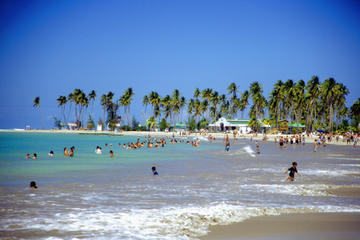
[292,172]
[33,185]
[154,171]
[257,148]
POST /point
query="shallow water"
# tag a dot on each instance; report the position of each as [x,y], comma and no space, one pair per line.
[94,196]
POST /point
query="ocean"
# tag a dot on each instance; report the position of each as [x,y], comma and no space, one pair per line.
[91,196]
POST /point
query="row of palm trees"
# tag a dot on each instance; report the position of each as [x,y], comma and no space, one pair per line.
[315,104]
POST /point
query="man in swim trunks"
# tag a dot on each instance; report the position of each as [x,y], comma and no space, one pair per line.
[292,172]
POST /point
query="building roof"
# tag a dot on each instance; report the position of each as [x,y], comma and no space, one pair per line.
[296,125]
[238,121]
[180,125]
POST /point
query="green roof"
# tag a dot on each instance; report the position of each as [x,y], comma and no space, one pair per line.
[296,125]
[180,125]
[238,121]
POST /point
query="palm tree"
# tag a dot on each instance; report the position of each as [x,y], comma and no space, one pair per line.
[70,99]
[155,100]
[328,94]
[355,112]
[76,99]
[62,103]
[206,94]
[289,94]
[312,99]
[197,109]
[234,107]
[258,100]
[204,107]
[190,106]
[151,123]
[196,93]
[299,101]
[125,101]
[166,106]
[145,102]
[91,97]
[232,90]
[106,101]
[275,100]
[340,101]
[36,104]
[103,102]
[215,99]
[244,102]
[176,103]
[84,104]
[182,105]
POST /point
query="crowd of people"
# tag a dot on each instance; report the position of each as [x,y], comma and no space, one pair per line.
[155,142]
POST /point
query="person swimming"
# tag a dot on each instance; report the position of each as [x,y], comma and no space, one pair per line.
[111,154]
[28,156]
[292,172]
[51,153]
[154,171]
[66,152]
[71,153]
[34,156]
[33,185]
[98,150]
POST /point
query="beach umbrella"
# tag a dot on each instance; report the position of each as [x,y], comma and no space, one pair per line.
[320,130]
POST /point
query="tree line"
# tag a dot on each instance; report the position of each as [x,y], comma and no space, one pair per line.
[313,103]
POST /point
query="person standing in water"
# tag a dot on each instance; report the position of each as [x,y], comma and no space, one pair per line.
[257,148]
[292,172]
[227,143]
[66,152]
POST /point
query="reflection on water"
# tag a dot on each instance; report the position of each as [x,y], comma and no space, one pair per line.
[98,197]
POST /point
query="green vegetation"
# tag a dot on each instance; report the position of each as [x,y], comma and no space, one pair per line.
[313,103]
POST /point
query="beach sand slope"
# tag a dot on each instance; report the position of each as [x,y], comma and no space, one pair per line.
[309,226]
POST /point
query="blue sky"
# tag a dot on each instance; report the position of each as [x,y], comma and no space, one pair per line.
[49,47]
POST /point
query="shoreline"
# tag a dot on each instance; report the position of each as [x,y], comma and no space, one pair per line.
[298,226]
[217,135]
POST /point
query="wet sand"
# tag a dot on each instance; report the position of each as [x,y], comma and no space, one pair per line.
[309,226]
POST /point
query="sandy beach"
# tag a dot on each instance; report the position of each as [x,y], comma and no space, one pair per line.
[309,226]
[217,135]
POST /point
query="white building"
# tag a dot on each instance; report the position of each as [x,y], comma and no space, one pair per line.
[223,124]
[99,126]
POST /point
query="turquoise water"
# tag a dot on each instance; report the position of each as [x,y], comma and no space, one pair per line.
[16,170]
[92,196]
